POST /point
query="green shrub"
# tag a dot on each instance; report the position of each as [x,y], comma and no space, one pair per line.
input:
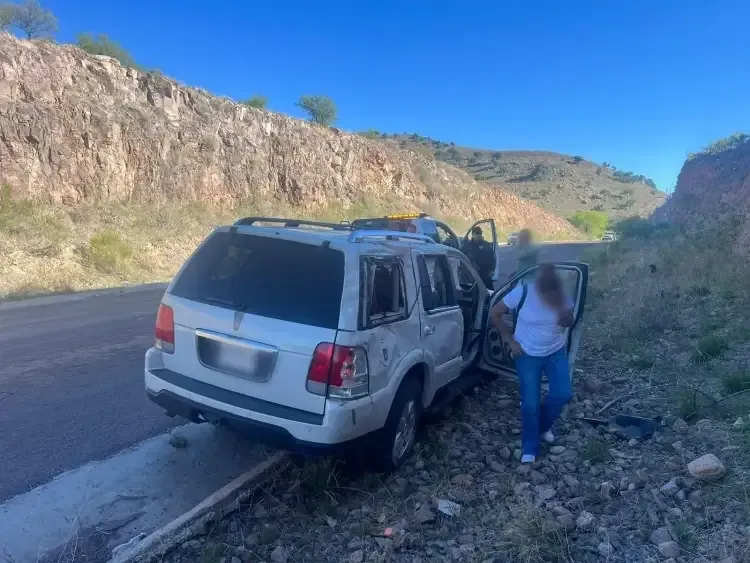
[107,252]
[258,102]
[370,134]
[731,142]
[320,109]
[709,347]
[736,381]
[596,450]
[102,45]
[593,223]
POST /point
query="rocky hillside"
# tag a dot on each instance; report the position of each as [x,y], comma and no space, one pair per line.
[713,186]
[77,129]
[558,183]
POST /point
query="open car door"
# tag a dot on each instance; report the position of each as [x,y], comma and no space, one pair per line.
[490,235]
[575,276]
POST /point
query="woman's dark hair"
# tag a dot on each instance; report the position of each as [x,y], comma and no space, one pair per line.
[547,280]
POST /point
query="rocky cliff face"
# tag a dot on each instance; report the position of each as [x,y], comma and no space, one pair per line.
[77,128]
[712,188]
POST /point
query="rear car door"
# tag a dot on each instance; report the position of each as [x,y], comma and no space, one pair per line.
[575,277]
[442,320]
[249,311]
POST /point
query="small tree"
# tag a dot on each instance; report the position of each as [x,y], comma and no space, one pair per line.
[453,153]
[593,223]
[259,102]
[102,45]
[496,155]
[6,17]
[370,134]
[320,109]
[478,154]
[32,19]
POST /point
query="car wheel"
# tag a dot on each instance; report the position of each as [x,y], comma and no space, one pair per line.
[399,433]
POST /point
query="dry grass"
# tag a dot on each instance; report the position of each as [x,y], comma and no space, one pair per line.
[55,249]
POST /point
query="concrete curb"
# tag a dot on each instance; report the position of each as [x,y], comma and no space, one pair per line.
[193,522]
[78,296]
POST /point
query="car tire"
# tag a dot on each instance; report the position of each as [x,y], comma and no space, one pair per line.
[396,440]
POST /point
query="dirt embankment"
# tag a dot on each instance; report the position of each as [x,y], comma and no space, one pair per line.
[713,189]
[77,128]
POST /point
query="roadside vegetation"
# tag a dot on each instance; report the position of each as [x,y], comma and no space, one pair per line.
[731,142]
[593,223]
[48,248]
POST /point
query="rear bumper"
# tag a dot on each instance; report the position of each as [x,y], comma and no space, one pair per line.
[342,424]
[261,432]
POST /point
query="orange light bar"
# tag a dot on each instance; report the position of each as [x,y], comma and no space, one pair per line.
[407,216]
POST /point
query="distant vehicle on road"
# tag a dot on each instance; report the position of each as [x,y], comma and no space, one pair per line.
[513,238]
[318,336]
[609,236]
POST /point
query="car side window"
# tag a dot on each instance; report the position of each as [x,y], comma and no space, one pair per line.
[383,291]
[463,279]
[435,282]
[446,236]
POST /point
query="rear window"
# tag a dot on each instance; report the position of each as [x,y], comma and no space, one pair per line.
[280,279]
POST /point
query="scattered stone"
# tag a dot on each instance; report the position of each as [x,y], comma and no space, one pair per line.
[449,508]
[357,556]
[567,522]
[278,555]
[557,450]
[670,488]
[739,423]
[570,481]
[585,521]
[546,493]
[660,535]
[504,454]
[680,426]
[419,466]
[607,489]
[424,515]
[707,467]
[669,549]
[236,560]
[268,534]
[591,384]
[178,442]
[605,549]
[462,479]
[703,424]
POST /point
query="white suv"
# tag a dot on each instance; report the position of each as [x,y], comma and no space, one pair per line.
[314,336]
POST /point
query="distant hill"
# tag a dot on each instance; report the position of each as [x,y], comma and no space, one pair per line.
[559,183]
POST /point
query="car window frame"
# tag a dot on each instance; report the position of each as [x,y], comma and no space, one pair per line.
[446,271]
[364,321]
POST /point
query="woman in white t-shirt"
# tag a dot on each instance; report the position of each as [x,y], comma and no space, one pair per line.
[538,344]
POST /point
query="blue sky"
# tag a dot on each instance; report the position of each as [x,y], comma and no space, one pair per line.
[637,83]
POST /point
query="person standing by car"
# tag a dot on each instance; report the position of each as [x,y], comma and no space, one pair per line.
[482,256]
[543,314]
[528,252]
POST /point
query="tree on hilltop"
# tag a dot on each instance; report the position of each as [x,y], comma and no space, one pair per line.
[29,17]
[320,109]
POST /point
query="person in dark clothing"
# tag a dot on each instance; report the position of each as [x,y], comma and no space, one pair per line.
[482,256]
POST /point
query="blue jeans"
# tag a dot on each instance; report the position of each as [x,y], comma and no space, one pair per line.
[537,418]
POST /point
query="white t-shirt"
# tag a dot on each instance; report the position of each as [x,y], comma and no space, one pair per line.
[537,329]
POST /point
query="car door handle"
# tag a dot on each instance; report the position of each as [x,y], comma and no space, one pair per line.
[428,330]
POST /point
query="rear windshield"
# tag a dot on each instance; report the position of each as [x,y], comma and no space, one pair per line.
[279,279]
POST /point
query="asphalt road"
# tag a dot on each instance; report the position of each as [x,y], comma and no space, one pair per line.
[71,380]
[71,385]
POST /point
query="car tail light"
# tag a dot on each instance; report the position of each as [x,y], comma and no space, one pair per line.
[164,330]
[339,371]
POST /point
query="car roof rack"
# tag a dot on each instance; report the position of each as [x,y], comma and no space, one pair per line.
[292,223]
[360,236]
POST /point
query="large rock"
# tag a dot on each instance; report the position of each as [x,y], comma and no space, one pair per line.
[707,467]
[78,128]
